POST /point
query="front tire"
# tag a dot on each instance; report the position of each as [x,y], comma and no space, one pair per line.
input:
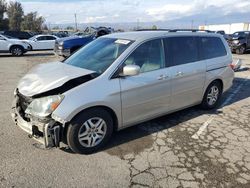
[17,50]
[241,50]
[89,131]
[212,96]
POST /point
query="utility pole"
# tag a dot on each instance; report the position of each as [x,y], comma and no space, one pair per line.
[192,24]
[138,23]
[75,22]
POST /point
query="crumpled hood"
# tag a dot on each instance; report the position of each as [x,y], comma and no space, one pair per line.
[48,76]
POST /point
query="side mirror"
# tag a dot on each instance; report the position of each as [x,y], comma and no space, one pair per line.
[131,70]
[35,40]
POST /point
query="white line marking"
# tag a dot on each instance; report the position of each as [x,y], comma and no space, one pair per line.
[211,118]
[203,127]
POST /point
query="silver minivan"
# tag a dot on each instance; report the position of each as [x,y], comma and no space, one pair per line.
[120,80]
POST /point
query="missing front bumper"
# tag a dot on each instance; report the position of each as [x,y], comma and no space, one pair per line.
[48,133]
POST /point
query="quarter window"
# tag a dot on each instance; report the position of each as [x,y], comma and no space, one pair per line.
[149,56]
[181,50]
[212,47]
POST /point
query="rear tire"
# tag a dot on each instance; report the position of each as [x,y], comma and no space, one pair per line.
[212,96]
[89,131]
[17,50]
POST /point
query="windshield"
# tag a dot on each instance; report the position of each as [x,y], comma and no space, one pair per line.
[99,54]
[240,34]
[32,38]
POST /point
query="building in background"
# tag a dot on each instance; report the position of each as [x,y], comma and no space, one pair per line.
[228,28]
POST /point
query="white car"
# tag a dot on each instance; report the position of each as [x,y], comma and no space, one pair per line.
[42,42]
[12,45]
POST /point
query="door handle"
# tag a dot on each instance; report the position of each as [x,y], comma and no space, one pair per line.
[179,74]
[162,77]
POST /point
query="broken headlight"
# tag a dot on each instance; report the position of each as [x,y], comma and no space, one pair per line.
[44,106]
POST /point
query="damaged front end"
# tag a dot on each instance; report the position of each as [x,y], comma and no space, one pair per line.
[45,130]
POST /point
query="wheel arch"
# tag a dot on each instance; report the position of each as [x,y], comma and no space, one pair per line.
[108,109]
[214,80]
[15,45]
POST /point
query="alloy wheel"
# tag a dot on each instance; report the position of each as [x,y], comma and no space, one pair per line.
[213,95]
[92,132]
[17,51]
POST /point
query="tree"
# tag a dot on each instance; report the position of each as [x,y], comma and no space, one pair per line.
[3,21]
[32,23]
[55,28]
[154,27]
[2,9]
[45,27]
[70,28]
[15,14]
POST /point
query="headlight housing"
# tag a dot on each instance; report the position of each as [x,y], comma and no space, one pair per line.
[60,45]
[43,107]
[236,41]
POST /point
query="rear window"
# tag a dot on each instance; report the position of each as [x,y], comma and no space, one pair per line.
[181,50]
[212,47]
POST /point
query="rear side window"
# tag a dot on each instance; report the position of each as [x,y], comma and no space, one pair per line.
[181,50]
[50,38]
[41,38]
[212,47]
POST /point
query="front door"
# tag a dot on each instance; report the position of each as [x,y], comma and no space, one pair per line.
[148,94]
[3,44]
[41,43]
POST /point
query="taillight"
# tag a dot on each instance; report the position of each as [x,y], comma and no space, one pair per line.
[231,65]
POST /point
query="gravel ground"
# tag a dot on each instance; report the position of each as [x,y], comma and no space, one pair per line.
[190,148]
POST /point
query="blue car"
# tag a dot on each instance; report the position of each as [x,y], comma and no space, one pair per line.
[68,45]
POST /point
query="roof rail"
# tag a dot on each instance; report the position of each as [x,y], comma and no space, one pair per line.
[191,30]
[152,30]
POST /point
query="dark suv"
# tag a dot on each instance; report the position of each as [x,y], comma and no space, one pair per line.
[18,34]
[240,42]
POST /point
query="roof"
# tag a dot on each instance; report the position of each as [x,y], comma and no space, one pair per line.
[144,35]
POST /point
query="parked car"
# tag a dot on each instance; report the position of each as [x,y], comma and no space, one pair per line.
[226,36]
[68,45]
[12,45]
[61,34]
[18,34]
[42,42]
[240,42]
[120,80]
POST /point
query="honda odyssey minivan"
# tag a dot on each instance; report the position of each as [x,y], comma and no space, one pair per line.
[120,80]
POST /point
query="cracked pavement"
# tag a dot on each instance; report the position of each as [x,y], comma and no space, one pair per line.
[158,153]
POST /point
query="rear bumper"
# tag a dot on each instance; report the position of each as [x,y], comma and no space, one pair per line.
[47,133]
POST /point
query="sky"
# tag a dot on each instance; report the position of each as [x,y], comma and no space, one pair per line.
[124,11]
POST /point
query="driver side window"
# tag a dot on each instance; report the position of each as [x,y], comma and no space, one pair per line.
[149,56]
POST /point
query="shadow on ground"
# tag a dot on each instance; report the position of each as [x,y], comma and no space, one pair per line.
[139,137]
[29,54]
[136,139]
